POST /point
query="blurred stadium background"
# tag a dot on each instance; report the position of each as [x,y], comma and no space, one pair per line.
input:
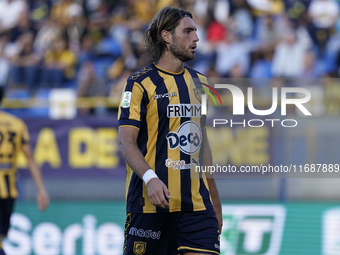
[64,64]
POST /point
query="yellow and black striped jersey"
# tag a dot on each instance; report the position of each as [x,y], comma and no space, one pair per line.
[166,109]
[13,134]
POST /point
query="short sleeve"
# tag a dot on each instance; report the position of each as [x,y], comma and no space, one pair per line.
[25,138]
[132,108]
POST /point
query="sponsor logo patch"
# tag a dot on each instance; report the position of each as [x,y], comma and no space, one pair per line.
[126,99]
[165,95]
[180,164]
[188,138]
[184,110]
[145,233]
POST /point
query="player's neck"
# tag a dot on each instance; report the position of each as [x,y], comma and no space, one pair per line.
[170,64]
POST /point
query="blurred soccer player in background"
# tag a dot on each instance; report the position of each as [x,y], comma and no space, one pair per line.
[14,137]
[168,212]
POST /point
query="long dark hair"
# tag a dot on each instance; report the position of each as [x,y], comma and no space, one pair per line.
[167,19]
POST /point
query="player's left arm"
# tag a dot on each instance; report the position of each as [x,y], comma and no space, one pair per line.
[42,195]
[207,159]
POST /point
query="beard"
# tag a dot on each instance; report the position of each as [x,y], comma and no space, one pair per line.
[180,52]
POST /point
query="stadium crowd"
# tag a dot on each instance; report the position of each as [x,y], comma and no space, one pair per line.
[92,46]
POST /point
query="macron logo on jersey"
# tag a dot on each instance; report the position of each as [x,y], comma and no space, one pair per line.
[184,110]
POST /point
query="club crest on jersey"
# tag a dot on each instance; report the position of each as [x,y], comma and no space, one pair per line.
[126,99]
[188,138]
[139,248]
[198,94]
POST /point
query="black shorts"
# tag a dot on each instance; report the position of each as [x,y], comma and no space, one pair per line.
[6,209]
[171,233]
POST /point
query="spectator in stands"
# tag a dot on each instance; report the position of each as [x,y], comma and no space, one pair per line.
[39,12]
[59,64]
[242,23]
[24,62]
[232,52]
[10,12]
[4,62]
[24,25]
[75,27]
[90,85]
[288,57]
[262,66]
[144,10]
[46,35]
[59,12]
[296,11]
[310,67]
[229,30]
[323,14]
[331,94]
[267,7]
[269,33]
[87,50]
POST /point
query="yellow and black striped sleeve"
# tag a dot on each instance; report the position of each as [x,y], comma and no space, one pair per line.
[133,104]
[25,138]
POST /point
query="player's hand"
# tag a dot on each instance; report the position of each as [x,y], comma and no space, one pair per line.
[43,200]
[218,212]
[157,191]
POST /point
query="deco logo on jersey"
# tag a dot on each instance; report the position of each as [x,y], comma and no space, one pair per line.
[188,138]
[165,95]
[184,110]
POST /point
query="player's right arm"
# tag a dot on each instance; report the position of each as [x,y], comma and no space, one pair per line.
[42,196]
[157,190]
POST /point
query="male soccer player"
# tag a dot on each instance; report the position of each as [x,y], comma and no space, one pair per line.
[14,138]
[161,140]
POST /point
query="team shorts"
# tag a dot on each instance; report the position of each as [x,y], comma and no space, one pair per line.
[171,233]
[6,209]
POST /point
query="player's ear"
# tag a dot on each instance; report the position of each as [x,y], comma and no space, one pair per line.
[166,36]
